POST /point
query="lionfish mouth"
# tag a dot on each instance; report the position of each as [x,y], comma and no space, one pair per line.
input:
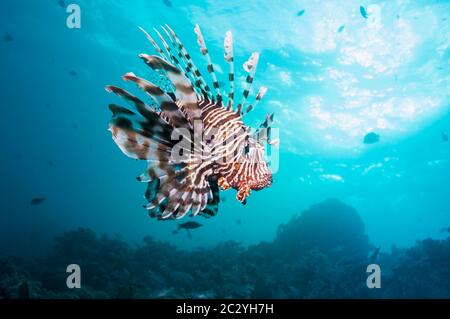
[178,187]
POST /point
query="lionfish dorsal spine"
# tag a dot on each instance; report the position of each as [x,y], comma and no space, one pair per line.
[229,58]
[191,69]
[153,42]
[262,91]
[250,67]
[210,67]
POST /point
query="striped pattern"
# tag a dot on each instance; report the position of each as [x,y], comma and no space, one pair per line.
[210,67]
[229,57]
[250,68]
[193,142]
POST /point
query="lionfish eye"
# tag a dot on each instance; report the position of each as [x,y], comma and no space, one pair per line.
[247,145]
[246,149]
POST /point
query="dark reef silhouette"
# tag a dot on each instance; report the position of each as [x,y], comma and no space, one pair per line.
[321,253]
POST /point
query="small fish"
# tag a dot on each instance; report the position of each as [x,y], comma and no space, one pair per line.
[371,138]
[73,73]
[167,3]
[75,126]
[49,104]
[37,200]
[188,226]
[50,163]
[238,221]
[341,28]
[8,38]
[300,13]
[444,137]
[363,12]
[61,3]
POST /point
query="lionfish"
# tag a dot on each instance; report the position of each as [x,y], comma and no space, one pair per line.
[192,136]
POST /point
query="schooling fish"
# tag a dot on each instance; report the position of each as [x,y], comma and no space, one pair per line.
[193,137]
[37,200]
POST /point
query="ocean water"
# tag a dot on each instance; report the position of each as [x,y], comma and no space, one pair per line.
[334,72]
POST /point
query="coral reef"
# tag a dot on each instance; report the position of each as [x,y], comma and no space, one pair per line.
[322,253]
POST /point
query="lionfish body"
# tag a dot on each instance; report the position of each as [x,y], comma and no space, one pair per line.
[193,141]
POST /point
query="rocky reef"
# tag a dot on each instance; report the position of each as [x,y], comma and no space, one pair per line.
[321,253]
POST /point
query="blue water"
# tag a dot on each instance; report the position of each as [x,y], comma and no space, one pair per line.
[333,76]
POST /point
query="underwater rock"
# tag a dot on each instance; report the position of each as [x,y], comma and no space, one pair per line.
[326,226]
[24,291]
[371,138]
[374,256]
[322,253]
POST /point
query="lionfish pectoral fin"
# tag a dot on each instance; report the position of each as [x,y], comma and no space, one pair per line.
[243,193]
[212,207]
[223,184]
[184,189]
